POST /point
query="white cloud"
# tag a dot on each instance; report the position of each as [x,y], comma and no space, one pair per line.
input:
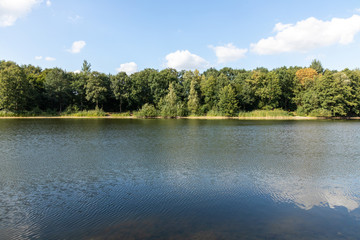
[308,34]
[228,53]
[38,57]
[129,68]
[77,71]
[184,60]
[11,10]
[74,19]
[50,59]
[77,46]
[48,3]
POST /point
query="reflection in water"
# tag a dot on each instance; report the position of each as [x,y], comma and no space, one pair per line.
[179,179]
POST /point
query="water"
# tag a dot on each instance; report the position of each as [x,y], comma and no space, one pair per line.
[179,179]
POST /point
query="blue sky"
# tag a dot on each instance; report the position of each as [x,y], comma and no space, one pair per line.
[133,35]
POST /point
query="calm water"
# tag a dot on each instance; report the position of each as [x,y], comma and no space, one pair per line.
[179,179]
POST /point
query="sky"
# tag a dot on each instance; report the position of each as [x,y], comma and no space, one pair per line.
[115,35]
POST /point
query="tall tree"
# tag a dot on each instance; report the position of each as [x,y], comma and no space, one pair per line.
[57,87]
[14,88]
[120,85]
[96,88]
[316,65]
[228,103]
[193,100]
[208,88]
[169,103]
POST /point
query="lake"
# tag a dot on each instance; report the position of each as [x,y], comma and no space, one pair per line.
[179,179]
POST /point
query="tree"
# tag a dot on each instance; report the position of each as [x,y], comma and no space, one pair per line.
[14,88]
[96,88]
[267,89]
[57,87]
[316,65]
[306,74]
[193,100]
[140,87]
[169,104]
[228,103]
[287,84]
[86,68]
[208,88]
[36,86]
[120,86]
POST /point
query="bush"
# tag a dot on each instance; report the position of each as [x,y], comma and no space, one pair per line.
[122,114]
[320,112]
[86,113]
[147,111]
[5,113]
[214,113]
[266,113]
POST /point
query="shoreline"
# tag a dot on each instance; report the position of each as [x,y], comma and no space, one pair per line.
[190,117]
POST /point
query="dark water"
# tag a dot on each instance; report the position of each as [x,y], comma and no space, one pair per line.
[179,179]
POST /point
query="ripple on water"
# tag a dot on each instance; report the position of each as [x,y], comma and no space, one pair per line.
[164,179]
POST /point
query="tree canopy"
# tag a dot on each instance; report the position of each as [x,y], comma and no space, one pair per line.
[306,90]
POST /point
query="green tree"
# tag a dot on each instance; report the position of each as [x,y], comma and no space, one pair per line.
[14,87]
[228,103]
[169,104]
[208,88]
[316,65]
[140,88]
[96,88]
[86,68]
[267,89]
[120,86]
[57,87]
[193,100]
[36,86]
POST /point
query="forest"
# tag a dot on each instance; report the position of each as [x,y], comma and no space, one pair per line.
[302,91]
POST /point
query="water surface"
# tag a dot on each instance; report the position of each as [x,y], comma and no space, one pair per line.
[179,179]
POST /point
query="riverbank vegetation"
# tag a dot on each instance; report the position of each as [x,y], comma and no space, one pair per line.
[287,91]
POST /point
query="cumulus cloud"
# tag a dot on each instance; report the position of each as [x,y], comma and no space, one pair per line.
[38,57]
[129,68]
[77,46]
[50,59]
[77,71]
[308,34]
[184,60]
[228,53]
[11,10]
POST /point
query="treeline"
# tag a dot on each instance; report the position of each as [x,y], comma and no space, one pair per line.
[306,91]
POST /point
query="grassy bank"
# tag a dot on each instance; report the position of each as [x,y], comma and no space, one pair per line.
[254,115]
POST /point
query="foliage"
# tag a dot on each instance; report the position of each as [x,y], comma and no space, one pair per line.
[14,87]
[316,65]
[193,100]
[96,88]
[57,87]
[305,74]
[28,91]
[227,102]
[266,113]
[87,113]
[148,111]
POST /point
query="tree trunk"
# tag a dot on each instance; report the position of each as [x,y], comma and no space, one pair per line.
[120,103]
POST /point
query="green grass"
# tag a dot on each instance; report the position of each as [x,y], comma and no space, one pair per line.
[6,113]
[266,113]
[214,113]
[123,114]
[86,113]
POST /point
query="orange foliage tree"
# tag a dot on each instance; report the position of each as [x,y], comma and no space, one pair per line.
[305,74]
